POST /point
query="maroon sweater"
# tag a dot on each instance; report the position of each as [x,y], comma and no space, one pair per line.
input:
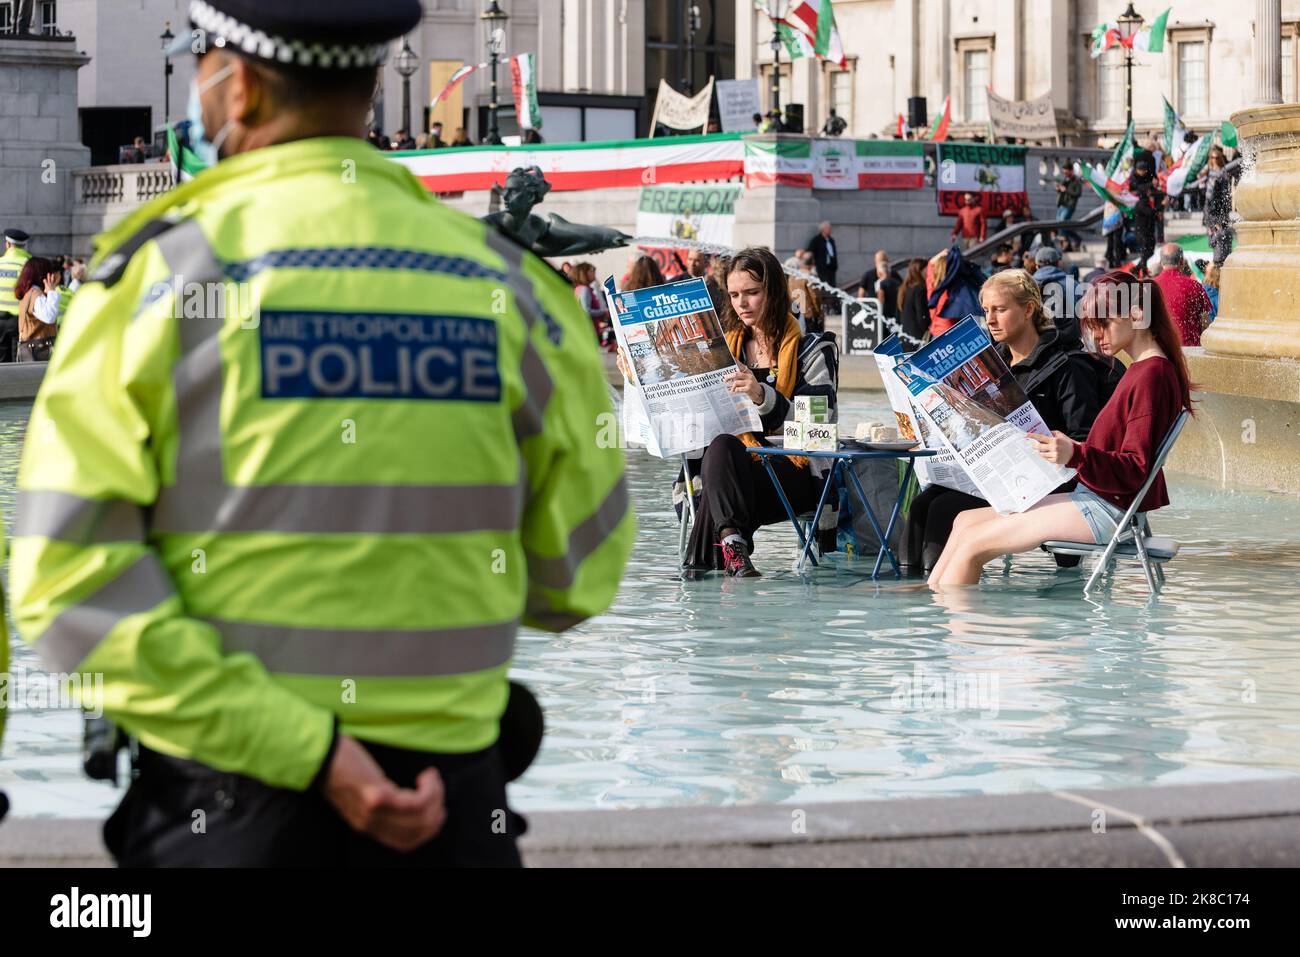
[1116,458]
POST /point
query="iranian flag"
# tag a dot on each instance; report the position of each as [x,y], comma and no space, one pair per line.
[523,70]
[1111,183]
[939,132]
[1189,166]
[1151,39]
[797,44]
[816,20]
[1104,36]
[577,166]
[1175,133]
[786,162]
[185,164]
[454,81]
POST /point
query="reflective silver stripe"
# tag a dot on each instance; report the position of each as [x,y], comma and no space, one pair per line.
[78,629]
[347,509]
[559,572]
[379,653]
[538,387]
[200,488]
[82,521]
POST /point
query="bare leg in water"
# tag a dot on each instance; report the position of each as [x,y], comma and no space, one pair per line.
[981,535]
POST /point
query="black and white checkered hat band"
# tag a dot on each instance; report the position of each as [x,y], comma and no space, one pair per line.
[241,36]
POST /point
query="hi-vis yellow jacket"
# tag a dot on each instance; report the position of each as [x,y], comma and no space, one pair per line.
[11,264]
[337,493]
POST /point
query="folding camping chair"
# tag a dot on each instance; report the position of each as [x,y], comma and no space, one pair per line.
[1143,548]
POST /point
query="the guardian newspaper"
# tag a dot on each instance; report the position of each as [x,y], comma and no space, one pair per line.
[678,355]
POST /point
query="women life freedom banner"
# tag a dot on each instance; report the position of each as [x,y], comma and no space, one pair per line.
[995,174]
[677,352]
[961,388]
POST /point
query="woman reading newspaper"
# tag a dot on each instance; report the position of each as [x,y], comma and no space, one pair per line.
[775,364]
[1061,381]
[1121,313]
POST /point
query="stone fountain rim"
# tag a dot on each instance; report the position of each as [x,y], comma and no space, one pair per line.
[1263,120]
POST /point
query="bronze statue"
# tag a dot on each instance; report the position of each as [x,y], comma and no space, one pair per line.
[525,187]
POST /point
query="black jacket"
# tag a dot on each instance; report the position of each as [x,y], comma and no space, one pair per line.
[915,319]
[826,261]
[1062,381]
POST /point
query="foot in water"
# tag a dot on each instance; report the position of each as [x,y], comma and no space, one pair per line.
[735,561]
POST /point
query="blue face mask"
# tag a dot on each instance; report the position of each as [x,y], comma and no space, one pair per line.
[206,150]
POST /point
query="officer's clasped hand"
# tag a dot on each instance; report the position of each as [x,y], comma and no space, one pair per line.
[401,818]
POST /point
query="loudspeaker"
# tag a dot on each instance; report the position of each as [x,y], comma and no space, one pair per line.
[793,117]
[918,117]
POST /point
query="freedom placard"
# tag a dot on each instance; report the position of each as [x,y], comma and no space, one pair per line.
[996,174]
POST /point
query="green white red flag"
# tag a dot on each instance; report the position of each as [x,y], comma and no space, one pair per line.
[1175,133]
[939,132]
[1104,36]
[816,20]
[454,81]
[1111,183]
[1151,38]
[807,29]
[523,70]
[185,163]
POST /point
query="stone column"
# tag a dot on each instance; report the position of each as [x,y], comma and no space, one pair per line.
[1260,285]
[1268,52]
[40,144]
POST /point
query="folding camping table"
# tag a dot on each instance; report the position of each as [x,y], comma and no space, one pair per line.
[842,461]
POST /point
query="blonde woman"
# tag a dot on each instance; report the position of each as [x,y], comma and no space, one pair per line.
[1065,385]
[1212,290]
[935,273]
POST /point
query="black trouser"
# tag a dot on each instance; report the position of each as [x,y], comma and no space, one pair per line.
[245,823]
[1116,250]
[929,524]
[8,336]
[739,494]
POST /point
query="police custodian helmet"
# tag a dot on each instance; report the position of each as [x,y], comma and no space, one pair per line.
[322,34]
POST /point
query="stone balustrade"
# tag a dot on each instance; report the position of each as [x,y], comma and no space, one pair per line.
[104,194]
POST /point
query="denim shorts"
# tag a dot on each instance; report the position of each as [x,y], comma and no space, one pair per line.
[1102,517]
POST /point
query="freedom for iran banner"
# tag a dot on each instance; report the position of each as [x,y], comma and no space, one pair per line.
[575,166]
[994,173]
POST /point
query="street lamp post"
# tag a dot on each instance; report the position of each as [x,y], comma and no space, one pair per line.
[406,63]
[1130,22]
[693,24]
[772,11]
[496,19]
[166,39]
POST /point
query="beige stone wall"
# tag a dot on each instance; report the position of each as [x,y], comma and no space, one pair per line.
[900,48]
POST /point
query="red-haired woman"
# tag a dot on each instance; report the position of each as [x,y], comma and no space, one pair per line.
[37,292]
[1121,313]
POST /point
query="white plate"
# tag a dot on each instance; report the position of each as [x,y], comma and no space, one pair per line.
[900,446]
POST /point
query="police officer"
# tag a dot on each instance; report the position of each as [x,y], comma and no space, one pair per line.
[296,525]
[11,264]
